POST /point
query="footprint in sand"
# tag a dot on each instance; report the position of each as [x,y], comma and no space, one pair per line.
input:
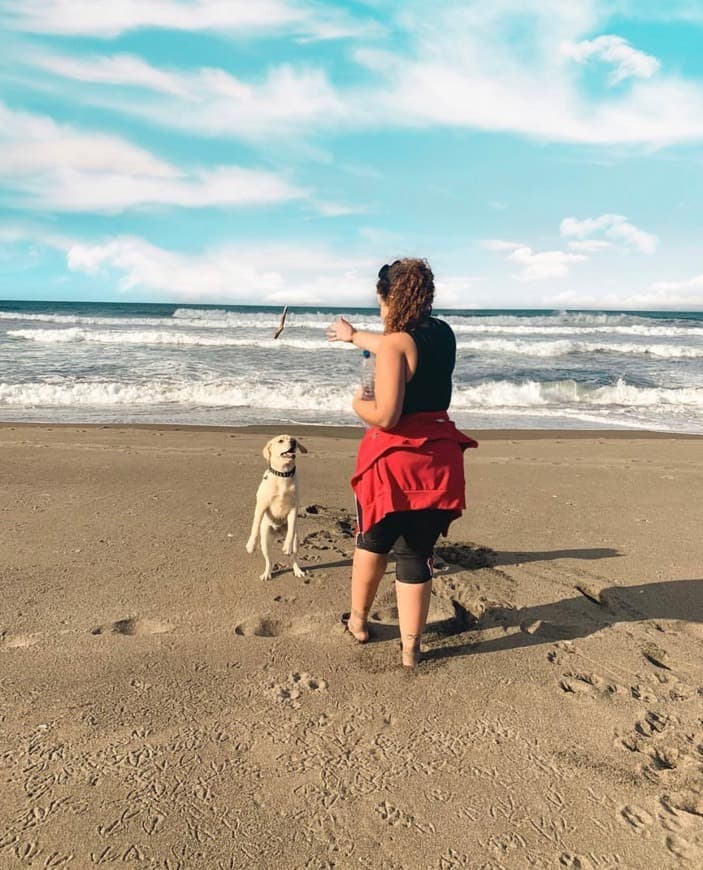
[323,539]
[593,589]
[271,626]
[654,723]
[134,626]
[469,580]
[687,801]
[692,629]
[638,820]
[657,656]
[445,617]
[670,752]
[295,687]
[338,524]
[549,630]
[588,683]
[466,556]
[686,850]
[681,818]
[459,590]
[16,641]
[575,862]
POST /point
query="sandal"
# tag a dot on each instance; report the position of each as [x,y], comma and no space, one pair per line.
[344,619]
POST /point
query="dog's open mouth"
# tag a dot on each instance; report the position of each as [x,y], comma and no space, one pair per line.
[290,454]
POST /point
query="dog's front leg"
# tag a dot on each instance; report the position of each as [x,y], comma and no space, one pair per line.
[297,570]
[292,521]
[255,526]
[266,535]
[290,545]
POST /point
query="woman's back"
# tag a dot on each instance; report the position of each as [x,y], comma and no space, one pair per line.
[430,388]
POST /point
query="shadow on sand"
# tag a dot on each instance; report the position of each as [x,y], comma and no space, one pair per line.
[452,558]
[586,613]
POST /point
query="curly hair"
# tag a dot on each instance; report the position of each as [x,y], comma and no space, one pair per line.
[407,288]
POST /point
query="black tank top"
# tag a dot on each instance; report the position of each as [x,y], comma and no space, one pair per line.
[431,386]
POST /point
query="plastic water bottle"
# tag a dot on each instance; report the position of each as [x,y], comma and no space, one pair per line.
[368,375]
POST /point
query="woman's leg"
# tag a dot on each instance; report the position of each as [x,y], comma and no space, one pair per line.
[367,570]
[413,606]
[414,567]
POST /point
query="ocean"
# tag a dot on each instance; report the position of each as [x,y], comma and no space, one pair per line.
[220,365]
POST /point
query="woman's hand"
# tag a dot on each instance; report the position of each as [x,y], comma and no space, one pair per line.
[340,330]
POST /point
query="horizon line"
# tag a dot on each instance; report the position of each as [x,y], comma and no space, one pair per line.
[293,307]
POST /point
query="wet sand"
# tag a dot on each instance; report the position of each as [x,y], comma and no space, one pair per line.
[163,707]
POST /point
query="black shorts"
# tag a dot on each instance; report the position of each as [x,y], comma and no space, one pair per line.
[411,535]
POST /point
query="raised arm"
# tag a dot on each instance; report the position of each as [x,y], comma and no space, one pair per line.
[342,330]
[385,408]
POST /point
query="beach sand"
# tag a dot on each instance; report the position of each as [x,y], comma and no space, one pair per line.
[162,707]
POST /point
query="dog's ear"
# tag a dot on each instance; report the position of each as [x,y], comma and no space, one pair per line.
[267,450]
[301,446]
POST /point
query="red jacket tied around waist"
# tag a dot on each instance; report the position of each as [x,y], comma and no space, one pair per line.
[418,464]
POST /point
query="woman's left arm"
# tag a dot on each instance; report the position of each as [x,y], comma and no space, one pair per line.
[385,408]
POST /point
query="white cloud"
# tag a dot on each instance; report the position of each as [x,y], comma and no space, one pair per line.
[57,167]
[665,295]
[615,227]
[335,209]
[456,291]
[287,99]
[461,70]
[34,144]
[589,246]
[380,237]
[628,61]
[581,228]
[16,233]
[455,68]
[119,69]
[686,293]
[268,274]
[631,236]
[537,265]
[695,283]
[71,190]
[500,245]
[207,100]
[108,20]
[655,10]
[10,234]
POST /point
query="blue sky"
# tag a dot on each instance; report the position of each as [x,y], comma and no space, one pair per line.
[538,153]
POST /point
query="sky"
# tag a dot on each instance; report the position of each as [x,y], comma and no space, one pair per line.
[539,153]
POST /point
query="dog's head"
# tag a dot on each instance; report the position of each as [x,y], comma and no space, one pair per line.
[280,452]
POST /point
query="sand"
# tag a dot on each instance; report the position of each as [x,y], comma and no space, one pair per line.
[160,706]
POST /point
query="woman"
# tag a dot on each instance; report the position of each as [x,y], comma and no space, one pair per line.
[409,477]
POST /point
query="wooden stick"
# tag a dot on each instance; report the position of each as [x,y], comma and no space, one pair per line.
[282,323]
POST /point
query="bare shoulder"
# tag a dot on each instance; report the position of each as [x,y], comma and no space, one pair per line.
[399,342]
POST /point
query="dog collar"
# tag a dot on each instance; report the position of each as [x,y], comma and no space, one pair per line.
[282,473]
